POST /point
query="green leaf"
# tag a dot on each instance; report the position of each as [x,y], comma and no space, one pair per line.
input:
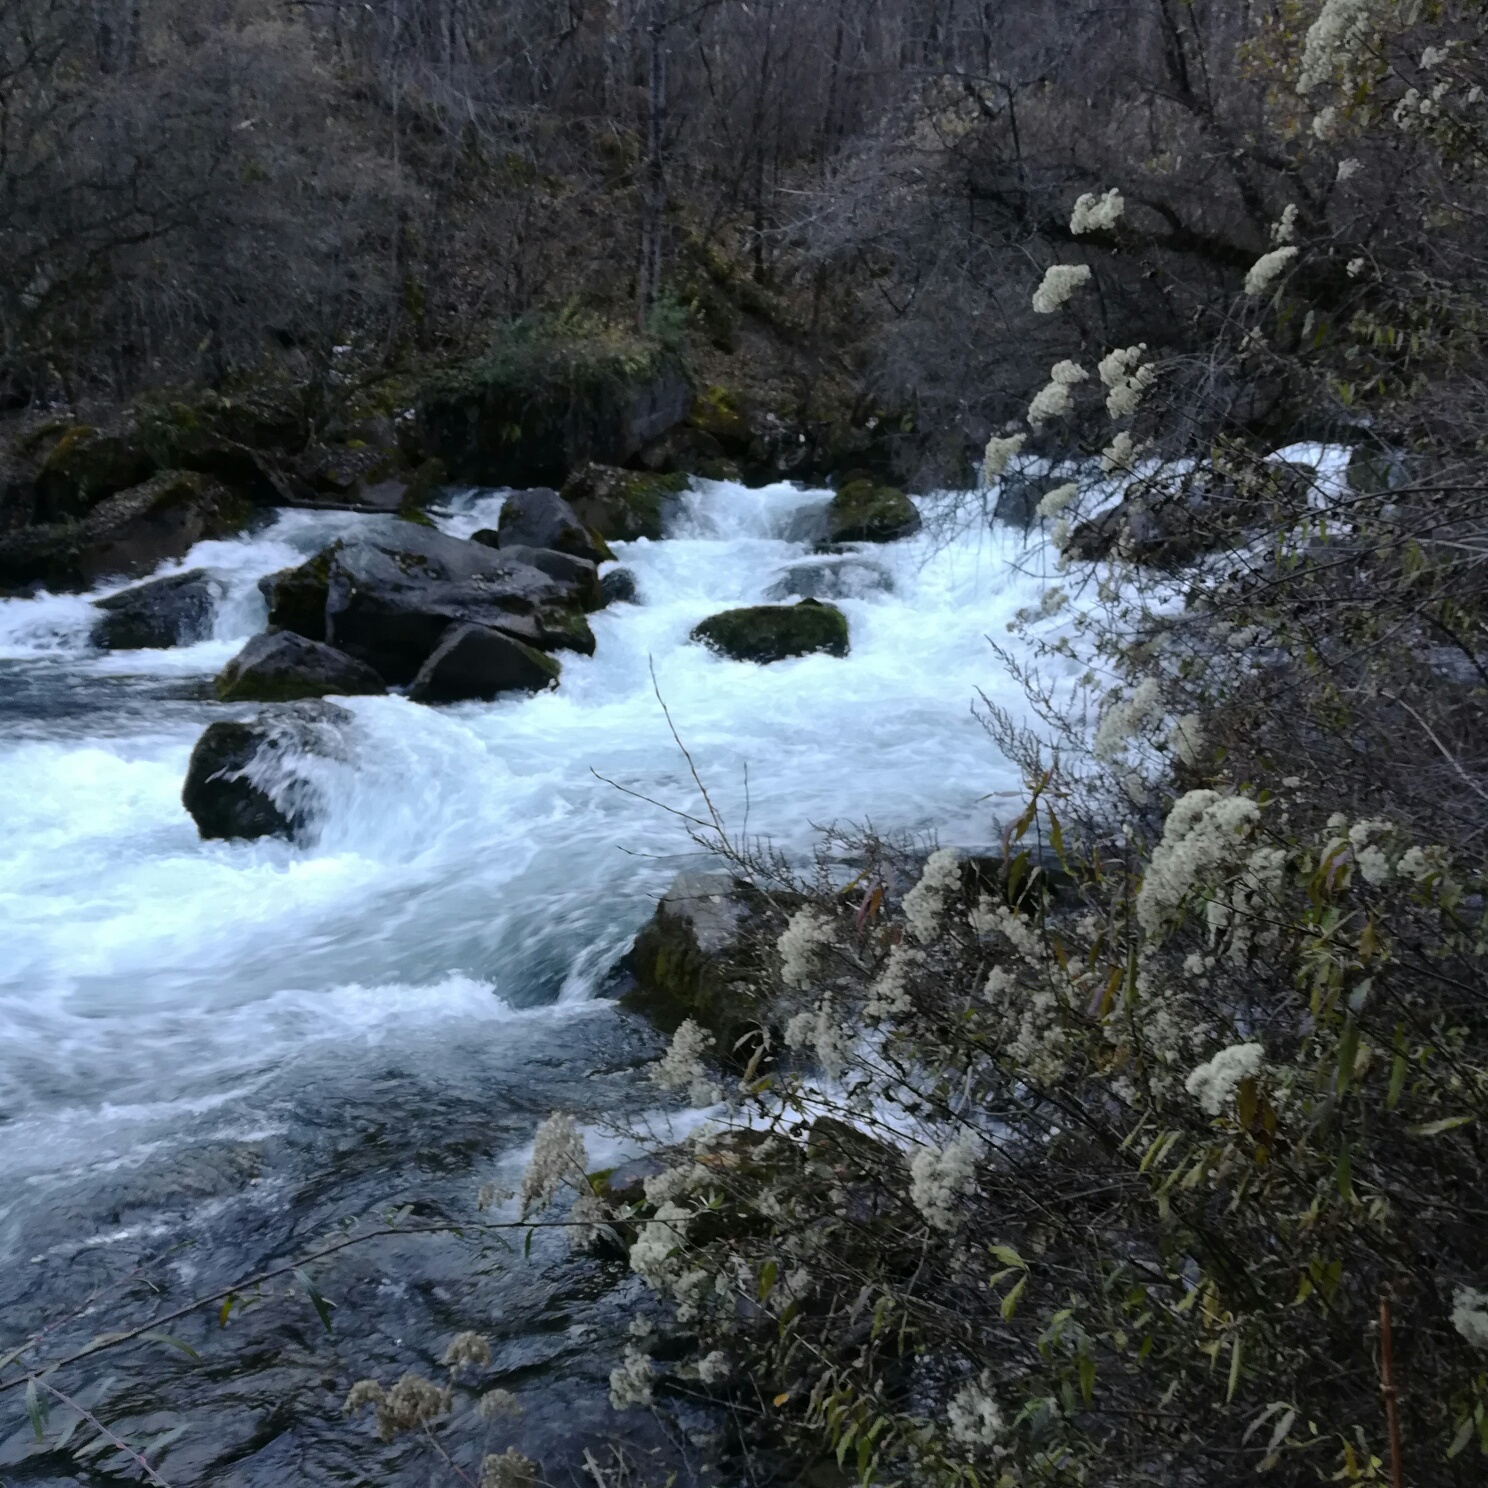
[1464,1435]
[1087,1377]
[1009,1257]
[1010,1302]
[322,1307]
[1436,1128]
[226,1309]
[36,1409]
[768,1272]
[172,1342]
[1234,1369]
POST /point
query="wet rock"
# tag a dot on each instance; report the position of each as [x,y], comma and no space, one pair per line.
[541,518]
[580,574]
[363,479]
[683,451]
[425,485]
[175,611]
[245,780]
[391,597]
[766,633]
[475,663]
[864,512]
[719,415]
[832,578]
[699,957]
[296,597]
[619,587]
[543,404]
[128,533]
[281,666]
[622,505]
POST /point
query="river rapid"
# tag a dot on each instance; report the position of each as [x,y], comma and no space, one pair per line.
[214,1055]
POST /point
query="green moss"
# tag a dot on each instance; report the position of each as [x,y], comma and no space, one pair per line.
[864,512]
[716,412]
[766,633]
[622,505]
[297,596]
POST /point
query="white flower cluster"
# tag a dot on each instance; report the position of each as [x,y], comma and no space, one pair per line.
[1349,168]
[1186,740]
[1053,502]
[1125,717]
[1335,40]
[631,1383]
[1420,864]
[682,1067]
[508,1470]
[824,1034]
[1097,213]
[974,1418]
[1053,400]
[1059,283]
[1285,231]
[1269,267]
[1204,833]
[1119,454]
[653,1255]
[805,933]
[1325,123]
[999,452]
[714,1367]
[1127,380]
[888,994]
[557,1158]
[1470,1316]
[924,905]
[939,1176]
[1214,1082]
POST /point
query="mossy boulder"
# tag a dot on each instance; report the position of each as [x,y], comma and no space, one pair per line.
[84,467]
[128,533]
[541,518]
[864,512]
[622,505]
[766,633]
[546,399]
[717,413]
[296,597]
[281,667]
[476,663]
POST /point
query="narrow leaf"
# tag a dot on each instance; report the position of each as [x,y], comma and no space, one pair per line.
[322,1307]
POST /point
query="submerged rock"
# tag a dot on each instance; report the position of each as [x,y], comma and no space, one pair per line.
[619,587]
[475,663]
[175,611]
[766,633]
[281,666]
[622,505]
[541,518]
[243,780]
[864,512]
[832,578]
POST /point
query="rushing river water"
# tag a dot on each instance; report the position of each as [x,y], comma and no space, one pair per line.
[213,1054]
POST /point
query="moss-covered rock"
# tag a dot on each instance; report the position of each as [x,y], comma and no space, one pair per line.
[766,633]
[622,505]
[85,467]
[717,413]
[864,512]
[297,596]
[698,958]
[282,667]
[545,399]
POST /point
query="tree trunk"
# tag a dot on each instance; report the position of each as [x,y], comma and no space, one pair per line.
[653,190]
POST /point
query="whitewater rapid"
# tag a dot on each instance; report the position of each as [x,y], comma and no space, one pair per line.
[474,865]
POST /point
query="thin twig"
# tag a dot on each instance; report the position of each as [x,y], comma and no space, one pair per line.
[1387,1382]
[103,1430]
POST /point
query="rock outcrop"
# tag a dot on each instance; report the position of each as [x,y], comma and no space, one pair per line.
[174,611]
[539,406]
[864,512]
[281,667]
[246,779]
[766,633]
[475,663]
[622,505]
[541,518]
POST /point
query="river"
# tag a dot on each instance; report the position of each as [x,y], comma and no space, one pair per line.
[213,1055]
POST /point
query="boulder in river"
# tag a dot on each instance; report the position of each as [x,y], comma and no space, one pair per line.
[475,663]
[622,505]
[768,633]
[174,611]
[128,533]
[864,512]
[541,518]
[581,573]
[243,780]
[389,596]
[832,577]
[281,666]
[619,587]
